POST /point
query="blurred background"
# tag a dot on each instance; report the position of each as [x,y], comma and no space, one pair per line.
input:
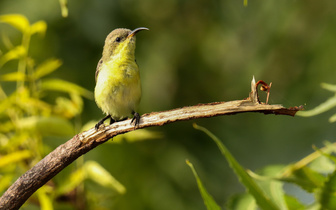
[195,52]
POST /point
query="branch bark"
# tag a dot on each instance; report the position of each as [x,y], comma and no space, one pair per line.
[83,142]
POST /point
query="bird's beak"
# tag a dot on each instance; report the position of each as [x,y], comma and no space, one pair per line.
[136,31]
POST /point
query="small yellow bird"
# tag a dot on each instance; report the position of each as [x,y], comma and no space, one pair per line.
[118,88]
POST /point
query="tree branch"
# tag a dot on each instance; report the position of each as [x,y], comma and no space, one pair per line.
[80,144]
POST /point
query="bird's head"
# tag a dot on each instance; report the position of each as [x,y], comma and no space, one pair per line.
[120,42]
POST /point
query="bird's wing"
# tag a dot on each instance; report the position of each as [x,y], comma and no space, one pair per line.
[98,68]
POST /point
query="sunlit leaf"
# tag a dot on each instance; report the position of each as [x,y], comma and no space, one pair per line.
[332,119]
[271,186]
[46,68]
[306,178]
[14,157]
[326,154]
[323,107]
[329,87]
[15,141]
[137,135]
[322,165]
[64,7]
[19,22]
[209,202]
[100,175]
[14,53]
[44,199]
[5,181]
[14,76]
[12,100]
[5,104]
[39,27]
[47,126]
[69,184]
[242,202]
[30,105]
[329,148]
[6,41]
[69,108]
[262,200]
[293,203]
[64,86]
[327,198]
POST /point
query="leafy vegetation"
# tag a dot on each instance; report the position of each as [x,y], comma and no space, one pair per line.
[315,174]
[28,117]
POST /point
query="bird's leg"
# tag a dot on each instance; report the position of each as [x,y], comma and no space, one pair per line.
[102,121]
[111,120]
[136,118]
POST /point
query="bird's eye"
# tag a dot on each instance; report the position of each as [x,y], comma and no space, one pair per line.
[118,39]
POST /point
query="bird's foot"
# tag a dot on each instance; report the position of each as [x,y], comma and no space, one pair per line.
[102,121]
[136,119]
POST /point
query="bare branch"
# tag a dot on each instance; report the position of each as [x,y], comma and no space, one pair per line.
[80,144]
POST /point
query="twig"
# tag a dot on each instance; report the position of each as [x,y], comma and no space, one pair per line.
[80,144]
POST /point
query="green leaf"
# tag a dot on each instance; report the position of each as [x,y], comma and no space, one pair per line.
[209,202]
[329,87]
[242,202]
[14,53]
[90,170]
[327,198]
[46,68]
[306,178]
[323,164]
[262,200]
[332,119]
[271,186]
[98,174]
[14,76]
[47,126]
[329,148]
[64,86]
[14,157]
[323,107]
[293,203]
[40,27]
[6,41]
[19,22]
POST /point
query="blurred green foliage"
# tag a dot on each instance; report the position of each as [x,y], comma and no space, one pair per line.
[265,190]
[196,51]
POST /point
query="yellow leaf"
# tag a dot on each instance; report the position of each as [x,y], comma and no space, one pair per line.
[70,183]
[14,53]
[47,126]
[19,22]
[15,76]
[39,27]
[14,157]
[64,7]
[44,198]
[46,68]
[137,135]
[100,175]
[65,86]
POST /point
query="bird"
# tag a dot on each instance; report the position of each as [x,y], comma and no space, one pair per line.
[118,87]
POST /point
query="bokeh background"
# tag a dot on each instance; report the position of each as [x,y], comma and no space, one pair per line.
[197,52]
